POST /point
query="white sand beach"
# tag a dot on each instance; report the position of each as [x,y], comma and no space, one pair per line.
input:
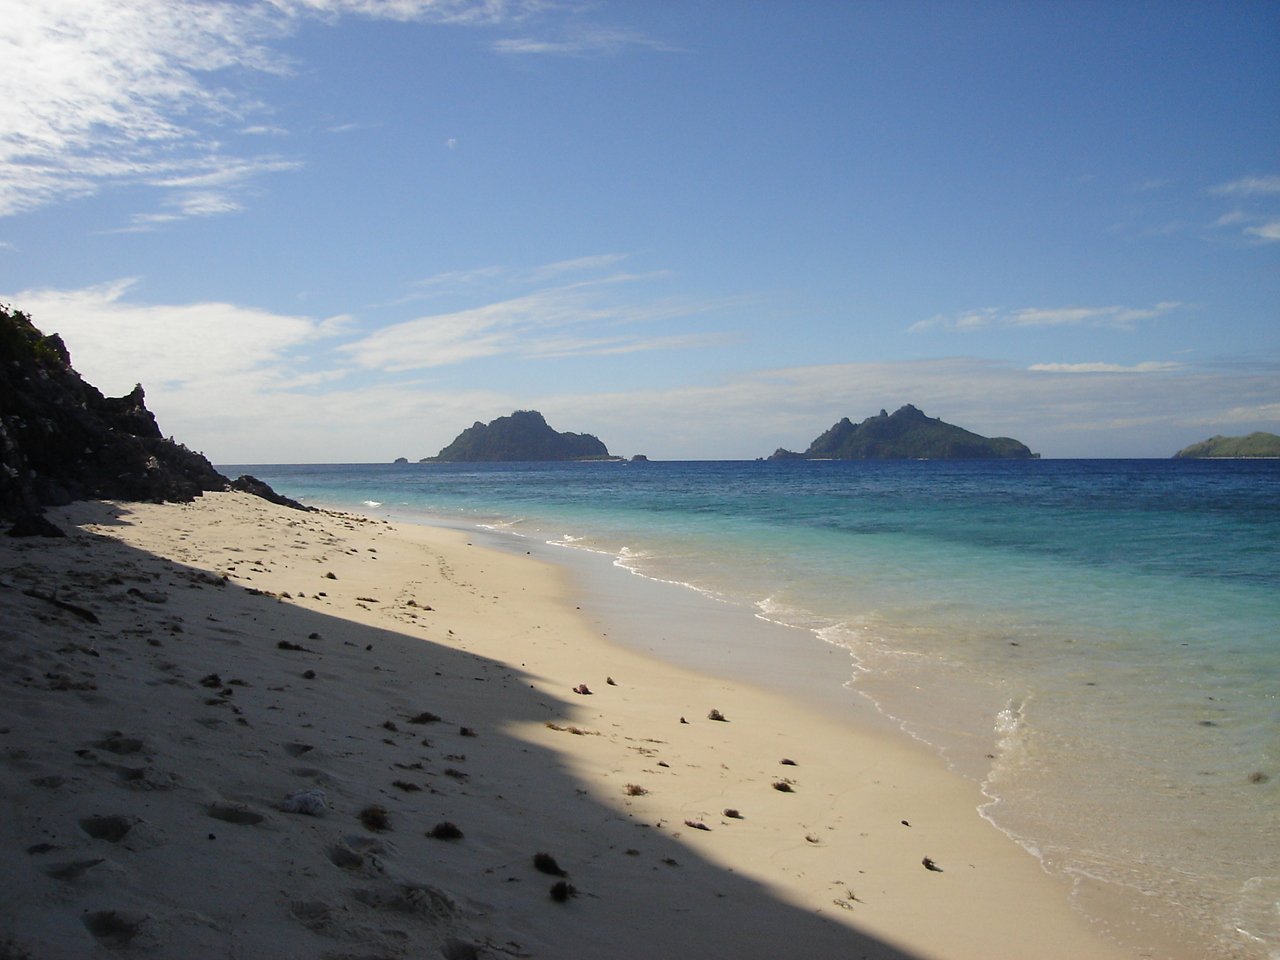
[172,674]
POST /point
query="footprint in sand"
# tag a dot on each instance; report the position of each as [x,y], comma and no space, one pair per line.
[115,928]
[113,829]
[235,813]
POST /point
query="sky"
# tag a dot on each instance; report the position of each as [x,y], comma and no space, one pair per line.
[345,230]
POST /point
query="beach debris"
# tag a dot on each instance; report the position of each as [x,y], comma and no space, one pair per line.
[426,716]
[930,865]
[634,790]
[390,725]
[683,720]
[583,689]
[467,732]
[375,818]
[406,786]
[546,863]
[1258,777]
[715,714]
[310,802]
[697,825]
[308,675]
[562,891]
[150,596]
[732,814]
[51,597]
[787,762]
[445,831]
[905,823]
[290,645]
[783,786]
[331,576]
[576,731]
[811,838]
[610,681]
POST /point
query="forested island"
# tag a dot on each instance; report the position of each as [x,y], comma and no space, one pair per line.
[906,434]
[1259,444]
[523,436]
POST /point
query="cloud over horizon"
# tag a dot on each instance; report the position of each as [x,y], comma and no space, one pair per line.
[215,373]
[1117,317]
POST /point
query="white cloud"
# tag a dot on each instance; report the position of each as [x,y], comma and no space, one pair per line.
[1267,231]
[1249,187]
[214,349]
[1113,316]
[599,41]
[556,321]
[95,91]
[1147,366]
[101,93]
[1255,210]
[250,385]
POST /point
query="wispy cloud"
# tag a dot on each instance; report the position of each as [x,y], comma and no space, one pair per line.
[1249,187]
[573,319]
[214,349]
[1254,211]
[1147,366]
[582,42]
[1265,231]
[103,93]
[215,373]
[1119,317]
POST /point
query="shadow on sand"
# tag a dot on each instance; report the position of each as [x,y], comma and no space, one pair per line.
[183,734]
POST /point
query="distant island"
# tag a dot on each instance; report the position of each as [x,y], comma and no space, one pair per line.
[523,436]
[1257,444]
[906,434]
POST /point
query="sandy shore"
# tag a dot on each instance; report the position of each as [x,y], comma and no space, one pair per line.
[172,674]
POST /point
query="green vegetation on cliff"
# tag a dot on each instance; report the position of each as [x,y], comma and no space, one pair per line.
[523,436]
[907,434]
[1254,445]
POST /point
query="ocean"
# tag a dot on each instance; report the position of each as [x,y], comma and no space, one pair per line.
[1095,642]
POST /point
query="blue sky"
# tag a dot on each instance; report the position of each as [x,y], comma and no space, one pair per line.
[343,230]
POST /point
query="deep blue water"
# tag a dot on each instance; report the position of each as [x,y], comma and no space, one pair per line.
[1097,641]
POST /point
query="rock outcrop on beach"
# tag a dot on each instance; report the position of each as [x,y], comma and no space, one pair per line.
[906,434]
[61,440]
[1259,444]
[523,436]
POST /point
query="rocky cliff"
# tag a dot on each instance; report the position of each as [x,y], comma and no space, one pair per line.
[906,434]
[523,436]
[62,440]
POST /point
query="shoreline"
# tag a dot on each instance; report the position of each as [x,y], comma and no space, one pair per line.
[417,619]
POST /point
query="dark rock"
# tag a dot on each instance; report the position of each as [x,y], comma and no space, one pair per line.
[61,440]
[260,488]
[34,525]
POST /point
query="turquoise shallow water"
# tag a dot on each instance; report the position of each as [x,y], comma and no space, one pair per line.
[1096,642]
